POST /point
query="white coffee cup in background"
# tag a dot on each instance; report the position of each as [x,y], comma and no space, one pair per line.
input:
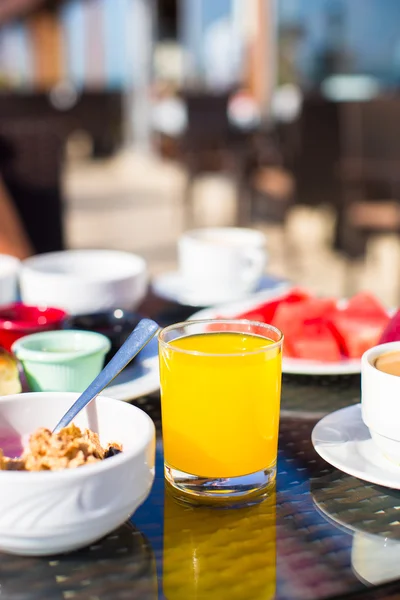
[9,270]
[380,402]
[221,263]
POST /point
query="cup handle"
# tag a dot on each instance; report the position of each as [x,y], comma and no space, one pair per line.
[255,261]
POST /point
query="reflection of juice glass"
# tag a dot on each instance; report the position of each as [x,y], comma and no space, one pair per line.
[220,394]
[219,554]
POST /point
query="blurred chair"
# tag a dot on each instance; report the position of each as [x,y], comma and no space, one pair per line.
[267,190]
[32,174]
[313,145]
[209,143]
[369,169]
[99,113]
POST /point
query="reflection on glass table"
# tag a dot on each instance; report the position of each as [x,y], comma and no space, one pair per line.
[219,554]
[121,565]
[371,515]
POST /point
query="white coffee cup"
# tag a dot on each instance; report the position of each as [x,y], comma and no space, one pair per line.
[380,402]
[9,270]
[221,264]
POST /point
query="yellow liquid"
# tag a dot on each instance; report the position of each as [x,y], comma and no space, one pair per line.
[214,554]
[220,412]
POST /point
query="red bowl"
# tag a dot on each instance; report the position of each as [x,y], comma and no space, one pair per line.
[17,320]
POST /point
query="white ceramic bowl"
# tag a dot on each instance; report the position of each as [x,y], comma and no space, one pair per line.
[43,513]
[9,268]
[84,281]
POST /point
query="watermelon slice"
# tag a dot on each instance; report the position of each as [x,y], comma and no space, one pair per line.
[360,325]
[265,312]
[316,341]
[356,333]
[391,333]
[316,329]
[290,317]
[366,305]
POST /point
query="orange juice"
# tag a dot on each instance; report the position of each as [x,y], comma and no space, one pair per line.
[220,403]
[220,554]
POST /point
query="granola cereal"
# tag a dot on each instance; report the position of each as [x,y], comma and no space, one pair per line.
[67,449]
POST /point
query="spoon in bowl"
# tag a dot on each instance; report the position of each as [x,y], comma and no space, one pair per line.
[144,331]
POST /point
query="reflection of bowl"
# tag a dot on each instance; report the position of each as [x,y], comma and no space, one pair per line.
[83,281]
[124,552]
[116,324]
[17,320]
[43,513]
[62,361]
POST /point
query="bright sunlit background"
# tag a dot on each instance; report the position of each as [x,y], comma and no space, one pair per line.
[129,121]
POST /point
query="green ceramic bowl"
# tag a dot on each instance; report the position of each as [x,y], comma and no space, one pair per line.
[61,361]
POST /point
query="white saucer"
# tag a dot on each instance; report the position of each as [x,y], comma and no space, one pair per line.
[171,287]
[342,439]
[139,378]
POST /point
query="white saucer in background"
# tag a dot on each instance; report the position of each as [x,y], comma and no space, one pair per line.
[342,439]
[170,286]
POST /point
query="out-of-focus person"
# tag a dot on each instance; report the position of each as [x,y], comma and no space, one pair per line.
[14,240]
[13,237]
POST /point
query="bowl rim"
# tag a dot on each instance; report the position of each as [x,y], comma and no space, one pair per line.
[91,469]
[18,325]
[23,353]
[199,234]
[34,265]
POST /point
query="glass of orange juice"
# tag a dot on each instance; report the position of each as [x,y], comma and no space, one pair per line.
[220,398]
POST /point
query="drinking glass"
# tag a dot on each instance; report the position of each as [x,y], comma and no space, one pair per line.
[220,398]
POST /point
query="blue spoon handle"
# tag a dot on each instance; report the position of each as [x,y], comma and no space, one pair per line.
[140,336]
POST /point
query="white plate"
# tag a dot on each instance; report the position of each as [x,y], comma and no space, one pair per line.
[295,366]
[342,439]
[170,287]
[139,378]
[299,366]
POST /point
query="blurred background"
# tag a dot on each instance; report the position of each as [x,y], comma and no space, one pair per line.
[125,122]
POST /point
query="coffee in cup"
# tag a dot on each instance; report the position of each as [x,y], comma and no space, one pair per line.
[389,363]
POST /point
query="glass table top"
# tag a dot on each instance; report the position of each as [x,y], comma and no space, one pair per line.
[320,534]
